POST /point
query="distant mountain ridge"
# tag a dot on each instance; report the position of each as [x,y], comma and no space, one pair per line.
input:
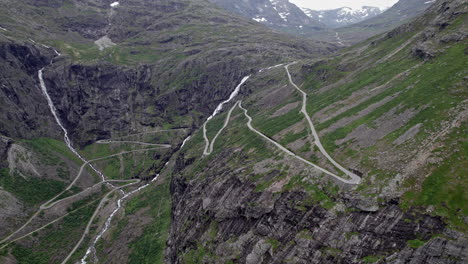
[279,14]
[398,14]
[343,16]
[341,26]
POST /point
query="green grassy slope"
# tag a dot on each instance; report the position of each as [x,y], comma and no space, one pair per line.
[409,109]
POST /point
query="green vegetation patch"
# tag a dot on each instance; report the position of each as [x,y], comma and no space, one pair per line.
[149,248]
[123,166]
[198,255]
[416,243]
[272,126]
[445,188]
[237,134]
[96,151]
[49,150]
[215,124]
[292,137]
[432,89]
[73,190]
[55,241]
[275,244]
[351,234]
[323,73]
[316,195]
[26,255]
[30,190]
[305,234]
[370,259]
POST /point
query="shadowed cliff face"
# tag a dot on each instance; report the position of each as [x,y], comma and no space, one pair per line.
[169,58]
[96,101]
[23,111]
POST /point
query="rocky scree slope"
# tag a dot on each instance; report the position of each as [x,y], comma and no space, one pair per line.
[392,109]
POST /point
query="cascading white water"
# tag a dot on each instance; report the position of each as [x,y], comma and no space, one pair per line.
[217,110]
[119,202]
[67,140]
[185,141]
[91,248]
[233,94]
[57,120]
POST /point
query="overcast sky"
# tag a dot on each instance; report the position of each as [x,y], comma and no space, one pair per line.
[331,4]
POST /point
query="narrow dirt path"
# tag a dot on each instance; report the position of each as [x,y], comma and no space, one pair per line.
[400,48]
[272,67]
[109,220]
[86,162]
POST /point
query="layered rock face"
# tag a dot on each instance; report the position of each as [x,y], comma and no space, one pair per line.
[225,215]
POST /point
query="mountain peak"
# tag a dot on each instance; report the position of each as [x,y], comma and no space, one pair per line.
[278,14]
[342,16]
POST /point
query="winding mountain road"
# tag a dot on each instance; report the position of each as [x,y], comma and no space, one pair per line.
[108,141]
[287,151]
[207,151]
[218,109]
[209,146]
[59,122]
[149,132]
[354,178]
[91,220]
[51,203]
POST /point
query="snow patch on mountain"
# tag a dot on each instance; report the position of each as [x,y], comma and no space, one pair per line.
[342,16]
[282,9]
[260,19]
